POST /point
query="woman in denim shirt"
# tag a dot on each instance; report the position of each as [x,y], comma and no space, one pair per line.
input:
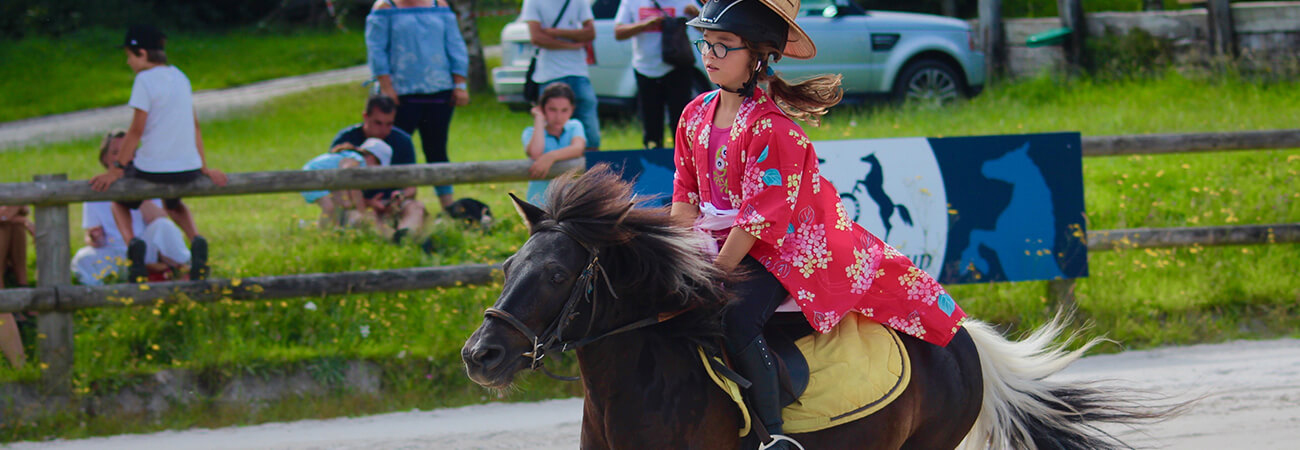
[419,57]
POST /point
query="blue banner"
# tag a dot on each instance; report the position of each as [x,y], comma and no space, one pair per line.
[964,209]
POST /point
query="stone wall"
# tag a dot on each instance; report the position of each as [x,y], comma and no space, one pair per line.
[1265,31]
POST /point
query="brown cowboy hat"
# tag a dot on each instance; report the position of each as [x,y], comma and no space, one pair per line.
[748,17]
[798,44]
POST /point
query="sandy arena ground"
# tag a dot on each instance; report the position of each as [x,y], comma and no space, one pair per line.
[1251,389]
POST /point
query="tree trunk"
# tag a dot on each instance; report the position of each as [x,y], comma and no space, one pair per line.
[1072,17]
[993,40]
[948,7]
[1223,37]
[469,30]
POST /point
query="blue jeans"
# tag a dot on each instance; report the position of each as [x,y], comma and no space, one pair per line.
[585,110]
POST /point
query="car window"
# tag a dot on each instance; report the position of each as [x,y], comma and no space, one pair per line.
[604,9]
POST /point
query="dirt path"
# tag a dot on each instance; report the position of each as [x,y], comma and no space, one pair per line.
[1252,391]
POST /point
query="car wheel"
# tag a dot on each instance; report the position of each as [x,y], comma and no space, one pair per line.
[927,82]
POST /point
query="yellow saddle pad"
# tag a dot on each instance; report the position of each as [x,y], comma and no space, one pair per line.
[856,369]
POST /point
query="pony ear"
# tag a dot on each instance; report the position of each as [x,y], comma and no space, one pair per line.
[532,215]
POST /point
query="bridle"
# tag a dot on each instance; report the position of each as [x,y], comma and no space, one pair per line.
[584,288]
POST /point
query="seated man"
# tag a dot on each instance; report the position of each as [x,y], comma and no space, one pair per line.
[106,253]
[393,204]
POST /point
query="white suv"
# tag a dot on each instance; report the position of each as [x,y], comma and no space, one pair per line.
[903,56]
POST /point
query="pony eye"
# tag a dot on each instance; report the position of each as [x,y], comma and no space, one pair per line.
[558,278]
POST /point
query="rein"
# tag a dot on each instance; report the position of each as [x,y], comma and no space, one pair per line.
[583,289]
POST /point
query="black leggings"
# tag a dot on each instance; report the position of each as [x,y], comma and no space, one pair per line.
[673,90]
[429,115]
[756,299]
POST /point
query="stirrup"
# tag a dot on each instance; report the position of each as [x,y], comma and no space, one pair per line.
[778,438]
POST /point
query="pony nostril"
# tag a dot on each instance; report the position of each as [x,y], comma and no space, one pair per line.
[489,356]
[483,357]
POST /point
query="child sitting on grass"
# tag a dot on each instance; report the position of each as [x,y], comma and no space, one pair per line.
[165,129]
[562,137]
[347,207]
[103,258]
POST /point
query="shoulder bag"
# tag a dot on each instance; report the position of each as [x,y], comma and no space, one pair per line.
[676,46]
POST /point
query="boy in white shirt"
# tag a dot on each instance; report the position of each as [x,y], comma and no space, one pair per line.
[106,252]
[170,147]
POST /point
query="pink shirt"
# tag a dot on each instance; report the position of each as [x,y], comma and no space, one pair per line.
[718,138]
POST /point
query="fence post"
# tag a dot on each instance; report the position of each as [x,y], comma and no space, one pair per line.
[1072,17]
[1223,36]
[53,268]
[993,38]
[1060,293]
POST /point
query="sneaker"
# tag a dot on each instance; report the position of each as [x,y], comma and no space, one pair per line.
[198,258]
[136,273]
[399,235]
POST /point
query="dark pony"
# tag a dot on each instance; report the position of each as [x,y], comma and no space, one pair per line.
[637,297]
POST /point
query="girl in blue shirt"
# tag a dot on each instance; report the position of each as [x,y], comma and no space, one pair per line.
[562,137]
[419,58]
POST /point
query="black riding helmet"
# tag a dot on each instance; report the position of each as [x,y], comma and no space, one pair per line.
[750,19]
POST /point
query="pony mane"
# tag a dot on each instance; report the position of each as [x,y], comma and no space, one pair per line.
[654,265]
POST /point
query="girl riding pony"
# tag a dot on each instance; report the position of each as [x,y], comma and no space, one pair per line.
[747,174]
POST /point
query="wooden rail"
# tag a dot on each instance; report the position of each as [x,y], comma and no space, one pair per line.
[58,299]
[1144,144]
[72,298]
[1103,240]
[54,192]
[50,192]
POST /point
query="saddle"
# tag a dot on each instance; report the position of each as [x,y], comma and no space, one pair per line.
[829,379]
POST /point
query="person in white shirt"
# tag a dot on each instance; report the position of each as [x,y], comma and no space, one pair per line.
[105,254]
[166,130]
[562,30]
[658,83]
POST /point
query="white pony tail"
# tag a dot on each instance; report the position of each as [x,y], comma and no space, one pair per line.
[1021,410]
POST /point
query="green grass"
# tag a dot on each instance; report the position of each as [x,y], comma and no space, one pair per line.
[1141,298]
[489,28]
[82,70]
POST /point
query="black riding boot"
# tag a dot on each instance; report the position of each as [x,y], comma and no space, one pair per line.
[756,364]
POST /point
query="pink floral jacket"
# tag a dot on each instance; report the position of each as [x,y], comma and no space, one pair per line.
[830,265]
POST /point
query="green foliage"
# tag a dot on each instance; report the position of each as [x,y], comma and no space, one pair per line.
[1047,8]
[1135,53]
[1141,298]
[1010,9]
[56,17]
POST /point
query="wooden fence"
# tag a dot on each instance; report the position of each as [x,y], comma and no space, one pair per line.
[57,299]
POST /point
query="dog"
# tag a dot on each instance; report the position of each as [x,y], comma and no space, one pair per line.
[472,211]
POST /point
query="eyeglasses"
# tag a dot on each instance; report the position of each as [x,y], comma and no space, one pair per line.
[719,49]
